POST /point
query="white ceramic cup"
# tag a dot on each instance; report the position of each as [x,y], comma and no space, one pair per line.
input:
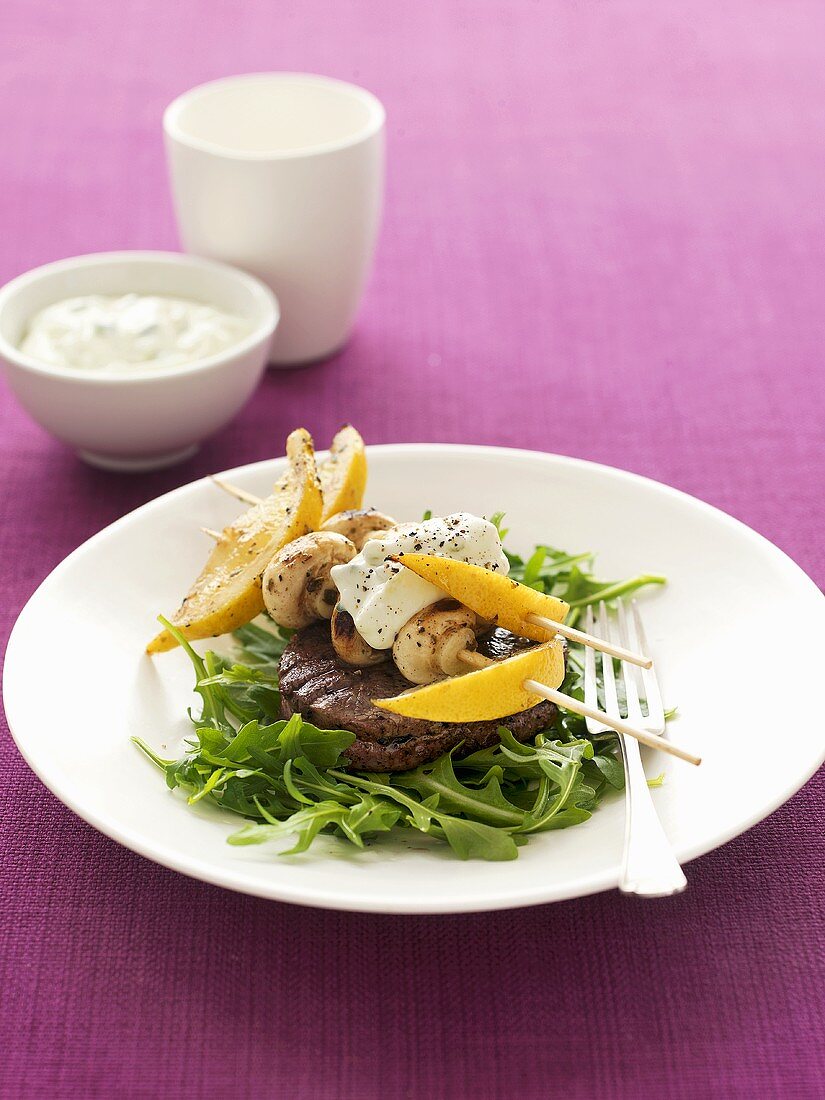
[282,174]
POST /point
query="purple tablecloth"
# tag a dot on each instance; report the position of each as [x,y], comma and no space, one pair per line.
[604,236]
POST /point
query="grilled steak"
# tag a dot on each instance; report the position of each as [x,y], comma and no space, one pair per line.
[330,694]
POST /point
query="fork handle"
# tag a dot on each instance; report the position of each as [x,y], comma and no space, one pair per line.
[649,867]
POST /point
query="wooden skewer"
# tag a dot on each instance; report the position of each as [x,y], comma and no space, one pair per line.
[478,660]
[213,534]
[618,724]
[589,640]
[235,491]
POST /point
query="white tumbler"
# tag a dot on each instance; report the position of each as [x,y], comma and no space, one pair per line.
[282,174]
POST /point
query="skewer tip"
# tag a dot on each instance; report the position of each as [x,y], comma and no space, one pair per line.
[235,491]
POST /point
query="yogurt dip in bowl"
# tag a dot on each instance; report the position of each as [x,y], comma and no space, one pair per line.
[133,358]
[114,334]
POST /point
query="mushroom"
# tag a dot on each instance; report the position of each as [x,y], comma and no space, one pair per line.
[297,587]
[359,525]
[428,644]
[348,643]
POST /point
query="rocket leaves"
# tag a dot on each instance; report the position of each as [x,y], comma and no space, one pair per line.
[569,577]
[288,778]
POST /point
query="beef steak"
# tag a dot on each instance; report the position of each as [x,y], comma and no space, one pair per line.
[331,694]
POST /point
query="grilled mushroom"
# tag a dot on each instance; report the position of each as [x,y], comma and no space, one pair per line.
[348,643]
[359,525]
[297,587]
[428,644]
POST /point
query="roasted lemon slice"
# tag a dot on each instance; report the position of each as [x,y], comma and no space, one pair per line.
[493,597]
[227,593]
[344,474]
[493,692]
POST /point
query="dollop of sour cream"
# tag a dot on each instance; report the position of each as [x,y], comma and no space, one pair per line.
[113,335]
[382,595]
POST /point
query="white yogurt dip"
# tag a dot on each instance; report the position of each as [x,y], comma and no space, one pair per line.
[113,335]
[382,595]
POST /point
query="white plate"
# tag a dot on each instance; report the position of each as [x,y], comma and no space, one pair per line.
[717,632]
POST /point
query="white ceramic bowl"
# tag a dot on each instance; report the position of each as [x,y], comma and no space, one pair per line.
[149,418]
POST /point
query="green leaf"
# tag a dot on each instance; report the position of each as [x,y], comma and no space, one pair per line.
[209,786]
[485,803]
[252,741]
[534,564]
[612,591]
[306,824]
[214,711]
[473,840]
[153,756]
[369,815]
[611,768]
[496,519]
[292,786]
[262,645]
[321,747]
[573,815]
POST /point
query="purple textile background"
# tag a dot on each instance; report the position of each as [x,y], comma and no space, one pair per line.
[604,236]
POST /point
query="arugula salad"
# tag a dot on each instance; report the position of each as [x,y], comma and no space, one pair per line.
[289,779]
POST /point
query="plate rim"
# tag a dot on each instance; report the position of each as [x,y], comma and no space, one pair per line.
[308,894]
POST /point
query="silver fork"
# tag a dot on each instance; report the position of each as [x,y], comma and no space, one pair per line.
[649,867]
